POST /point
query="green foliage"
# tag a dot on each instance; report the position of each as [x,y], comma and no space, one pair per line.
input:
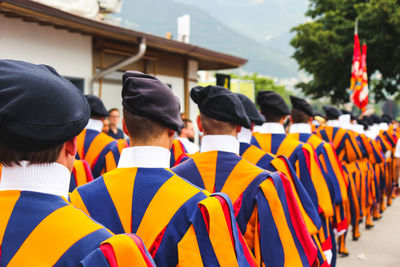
[324,46]
[263,83]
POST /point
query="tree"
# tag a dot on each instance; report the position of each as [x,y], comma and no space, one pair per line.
[263,83]
[324,46]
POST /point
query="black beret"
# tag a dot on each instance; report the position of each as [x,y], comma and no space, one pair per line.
[368,120]
[332,111]
[375,118]
[39,109]
[97,108]
[272,102]
[387,118]
[251,109]
[221,104]
[146,96]
[352,116]
[302,105]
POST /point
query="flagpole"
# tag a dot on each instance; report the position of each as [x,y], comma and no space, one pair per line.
[356,26]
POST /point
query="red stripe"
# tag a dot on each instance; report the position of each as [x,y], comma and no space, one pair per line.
[154,247]
[342,225]
[74,175]
[227,214]
[327,245]
[206,217]
[89,175]
[238,204]
[109,254]
[297,221]
[141,247]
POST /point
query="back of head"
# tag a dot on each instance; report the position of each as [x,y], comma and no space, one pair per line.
[97,108]
[220,109]
[149,106]
[301,112]
[272,105]
[39,111]
[375,119]
[251,109]
[331,112]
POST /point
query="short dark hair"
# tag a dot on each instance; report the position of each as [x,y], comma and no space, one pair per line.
[299,116]
[113,109]
[142,128]
[10,157]
[186,122]
[271,117]
[214,127]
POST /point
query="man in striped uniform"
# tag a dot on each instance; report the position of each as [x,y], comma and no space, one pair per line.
[264,203]
[97,148]
[300,129]
[274,163]
[272,138]
[41,115]
[179,223]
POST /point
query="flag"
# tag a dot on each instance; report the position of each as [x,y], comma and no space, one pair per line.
[356,67]
[360,93]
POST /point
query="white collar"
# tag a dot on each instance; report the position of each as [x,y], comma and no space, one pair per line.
[145,157]
[190,147]
[256,128]
[226,143]
[272,128]
[383,126]
[245,135]
[50,178]
[96,125]
[333,123]
[300,128]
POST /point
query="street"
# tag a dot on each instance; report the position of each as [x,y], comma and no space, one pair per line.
[379,246]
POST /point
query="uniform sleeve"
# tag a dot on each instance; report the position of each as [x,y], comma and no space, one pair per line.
[214,238]
[281,237]
[120,251]
[112,157]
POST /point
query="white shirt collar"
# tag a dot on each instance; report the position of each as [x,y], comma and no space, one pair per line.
[333,123]
[49,178]
[245,135]
[383,126]
[226,143]
[191,147]
[145,157]
[272,128]
[96,125]
[300,128]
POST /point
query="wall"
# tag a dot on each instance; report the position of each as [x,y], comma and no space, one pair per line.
[69,53]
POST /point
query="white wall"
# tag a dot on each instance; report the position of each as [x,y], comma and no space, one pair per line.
[69,53]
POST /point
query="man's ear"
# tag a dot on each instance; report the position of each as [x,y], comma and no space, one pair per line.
[171,132]
[291,120]
[124,127]
[238,129]
[199,124]
[71,147]
[252,126]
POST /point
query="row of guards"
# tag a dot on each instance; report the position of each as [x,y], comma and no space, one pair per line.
[340,171]
[256,194]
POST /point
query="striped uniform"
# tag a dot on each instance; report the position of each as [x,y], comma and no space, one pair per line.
[177,221]
[264,204]
[99,150]
[270,162]
[81,174]
[178,153]
[39,229]
[303,159]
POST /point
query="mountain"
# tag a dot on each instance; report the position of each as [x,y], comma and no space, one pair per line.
[214,29]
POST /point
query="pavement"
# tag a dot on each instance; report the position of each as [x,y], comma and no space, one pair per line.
[379,246]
